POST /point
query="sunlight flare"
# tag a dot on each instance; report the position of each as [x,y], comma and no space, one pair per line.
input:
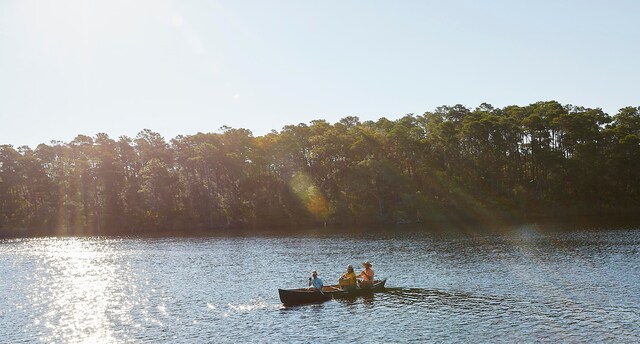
[307,192]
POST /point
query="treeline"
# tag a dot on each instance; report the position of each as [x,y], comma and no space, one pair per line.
[544,159]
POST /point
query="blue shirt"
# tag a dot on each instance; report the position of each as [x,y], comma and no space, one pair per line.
[316,282]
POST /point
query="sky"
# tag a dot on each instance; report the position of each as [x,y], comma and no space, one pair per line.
[71,67]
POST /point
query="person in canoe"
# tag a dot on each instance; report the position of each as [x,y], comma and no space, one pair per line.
[348,280]
[315,281]
[366,276]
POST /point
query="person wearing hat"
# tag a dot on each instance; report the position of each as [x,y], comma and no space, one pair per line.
[315,281]
[367,274]
[348,280]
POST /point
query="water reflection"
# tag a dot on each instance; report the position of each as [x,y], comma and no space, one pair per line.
[527,286]
[78,291]
[367,300]
[403,297]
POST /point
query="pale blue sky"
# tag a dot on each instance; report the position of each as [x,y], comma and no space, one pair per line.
[70,67]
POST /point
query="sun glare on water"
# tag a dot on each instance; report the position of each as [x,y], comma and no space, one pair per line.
[74,291]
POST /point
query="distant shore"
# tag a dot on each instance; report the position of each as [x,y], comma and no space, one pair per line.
[444,224]
[451,167]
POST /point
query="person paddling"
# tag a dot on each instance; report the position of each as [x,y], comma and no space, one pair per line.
[315,281]
[366,276]
[348,280]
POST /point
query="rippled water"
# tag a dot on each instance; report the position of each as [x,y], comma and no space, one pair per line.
[523,285]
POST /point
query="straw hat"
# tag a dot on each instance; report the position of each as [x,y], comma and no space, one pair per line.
[367,263]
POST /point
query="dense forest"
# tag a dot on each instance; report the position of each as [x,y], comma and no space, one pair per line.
[454,163]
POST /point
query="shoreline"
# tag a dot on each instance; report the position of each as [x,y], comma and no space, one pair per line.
[444,224]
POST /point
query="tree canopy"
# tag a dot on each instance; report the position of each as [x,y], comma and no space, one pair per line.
[544,159]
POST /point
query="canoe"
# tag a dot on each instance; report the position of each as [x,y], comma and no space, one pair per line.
[303,295]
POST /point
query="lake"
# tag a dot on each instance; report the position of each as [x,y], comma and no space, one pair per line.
[519,284]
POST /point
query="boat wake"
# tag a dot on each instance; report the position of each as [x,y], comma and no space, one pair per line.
[252,305]
[435,297]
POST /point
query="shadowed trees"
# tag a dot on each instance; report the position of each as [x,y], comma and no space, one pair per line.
[544,159]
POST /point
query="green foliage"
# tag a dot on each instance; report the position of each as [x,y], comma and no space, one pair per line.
[544,159]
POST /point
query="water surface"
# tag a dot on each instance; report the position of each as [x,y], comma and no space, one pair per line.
[521,285]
